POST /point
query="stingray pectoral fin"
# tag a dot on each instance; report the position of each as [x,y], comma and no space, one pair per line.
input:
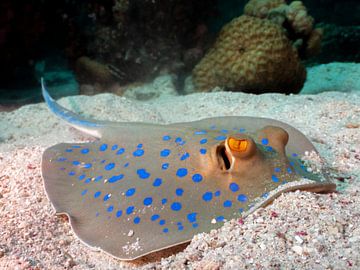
[91,127]
[317,187]
[67,188]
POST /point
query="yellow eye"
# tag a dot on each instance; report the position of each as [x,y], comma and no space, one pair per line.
[238,145]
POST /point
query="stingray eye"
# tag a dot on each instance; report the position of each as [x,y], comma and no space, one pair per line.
[238,145]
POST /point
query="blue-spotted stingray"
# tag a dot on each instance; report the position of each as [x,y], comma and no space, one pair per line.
[143,187]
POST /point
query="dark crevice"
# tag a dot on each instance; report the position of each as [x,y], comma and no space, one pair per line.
[223,159]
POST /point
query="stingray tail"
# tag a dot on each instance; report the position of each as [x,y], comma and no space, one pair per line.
[92,128]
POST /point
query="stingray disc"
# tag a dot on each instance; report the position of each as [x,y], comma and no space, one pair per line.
[141,187]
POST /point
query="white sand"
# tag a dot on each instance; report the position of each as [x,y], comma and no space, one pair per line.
[299,231]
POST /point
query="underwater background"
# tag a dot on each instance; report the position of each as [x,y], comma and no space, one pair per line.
[89,47]
[178,61]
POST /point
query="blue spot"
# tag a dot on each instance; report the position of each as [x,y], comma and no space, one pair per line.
[87,181]
[274,178]
[292,163]
[97,194]
[143,174]
[154,217]
[224,131]
[265,195]
[165,152]
[181,172]
[176,206]
[304,168]
[126,164]
[114,147]
[119,213]
[103,161]
[164,166]
[178,140]
[195,225]
[201,132]
[110,208]
[103,147]
[207,196]
[234,187]
[242,198]
[120,151]
[220,138]
[294,154]
[107,197]
[130,192]
[289,170]
[219,218]
[68,150]
[265,141]
[180,228]
[84,192]
[61,159]
[277,170]
[75,146]
[164,201]
[269,148]
[241,210]
[217,193]
[191,217]
[162,222]
[72,173]
[197,178]
[165,230]
[157,182]
[179,191]
[227,203]
[166,138]
[203,151]
[129,210]
[242,130]
[98,178]
[138,152]
[85,151]
[81,177]
[87,165]
[109,166]
[185,156]
[137,220]
[148,201]
[75,162]
[115,178]
[203,141]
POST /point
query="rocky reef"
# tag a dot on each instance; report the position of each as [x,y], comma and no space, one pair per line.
[138,40]
[116,45]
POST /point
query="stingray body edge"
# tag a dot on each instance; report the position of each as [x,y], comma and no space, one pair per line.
[142,187]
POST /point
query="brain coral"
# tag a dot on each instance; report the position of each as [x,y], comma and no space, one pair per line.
[251,55]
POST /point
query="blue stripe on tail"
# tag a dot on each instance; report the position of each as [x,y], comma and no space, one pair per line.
[64,113]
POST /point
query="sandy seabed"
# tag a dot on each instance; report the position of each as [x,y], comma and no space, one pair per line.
[300,230]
